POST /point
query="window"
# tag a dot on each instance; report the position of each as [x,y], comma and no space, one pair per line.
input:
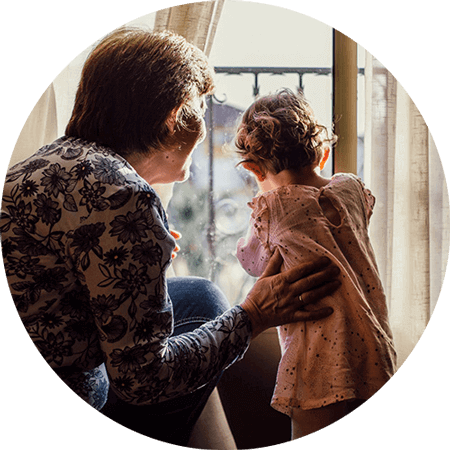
[211,207]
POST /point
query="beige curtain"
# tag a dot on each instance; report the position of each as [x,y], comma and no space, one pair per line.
[197,22]
[410,230]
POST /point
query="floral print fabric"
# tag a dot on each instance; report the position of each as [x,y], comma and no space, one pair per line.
[86,247]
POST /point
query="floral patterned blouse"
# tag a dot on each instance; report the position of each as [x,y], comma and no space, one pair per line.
[86,247]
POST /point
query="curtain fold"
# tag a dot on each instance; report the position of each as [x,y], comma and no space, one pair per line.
[197,22]
[410,229]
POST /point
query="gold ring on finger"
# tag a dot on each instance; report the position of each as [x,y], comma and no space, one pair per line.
[301,300]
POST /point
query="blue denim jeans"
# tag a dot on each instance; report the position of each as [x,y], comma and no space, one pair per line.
[195,302]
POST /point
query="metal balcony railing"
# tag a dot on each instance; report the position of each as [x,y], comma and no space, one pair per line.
[256,71]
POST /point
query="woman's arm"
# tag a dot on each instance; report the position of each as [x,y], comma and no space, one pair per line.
[127,281]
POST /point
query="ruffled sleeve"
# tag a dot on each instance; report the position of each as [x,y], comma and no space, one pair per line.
[368,198]
[253,251]
[361,191]
[370,202]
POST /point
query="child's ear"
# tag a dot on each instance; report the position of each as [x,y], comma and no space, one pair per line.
[324,159]
[255,169]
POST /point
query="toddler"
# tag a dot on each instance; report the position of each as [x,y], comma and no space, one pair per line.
[328,367]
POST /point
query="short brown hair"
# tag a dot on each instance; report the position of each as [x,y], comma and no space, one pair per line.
[280,132]
[131,82]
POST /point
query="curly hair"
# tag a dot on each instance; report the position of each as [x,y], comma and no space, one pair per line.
[280,132]
[130,84]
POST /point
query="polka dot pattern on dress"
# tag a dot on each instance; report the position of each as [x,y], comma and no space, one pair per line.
[350,353]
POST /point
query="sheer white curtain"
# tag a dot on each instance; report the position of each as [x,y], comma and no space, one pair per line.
[410,230]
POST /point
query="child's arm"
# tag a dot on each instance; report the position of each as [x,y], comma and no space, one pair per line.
[253,251]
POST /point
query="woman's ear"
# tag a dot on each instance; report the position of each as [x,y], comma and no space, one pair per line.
[255,169]
[324,159]
[172,119]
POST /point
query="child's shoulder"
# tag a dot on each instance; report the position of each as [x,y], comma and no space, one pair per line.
[348,181]
[284,197]
[340,184]
[343,185]
[344,177]
[348,187]
[289,192]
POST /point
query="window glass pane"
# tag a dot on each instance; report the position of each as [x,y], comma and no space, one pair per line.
[210,209]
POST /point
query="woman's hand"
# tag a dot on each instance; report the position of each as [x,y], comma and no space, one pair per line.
[274,299]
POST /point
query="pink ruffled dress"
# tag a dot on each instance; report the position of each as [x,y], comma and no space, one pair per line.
[350,354]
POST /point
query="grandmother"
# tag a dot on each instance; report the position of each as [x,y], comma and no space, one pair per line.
[86,245]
